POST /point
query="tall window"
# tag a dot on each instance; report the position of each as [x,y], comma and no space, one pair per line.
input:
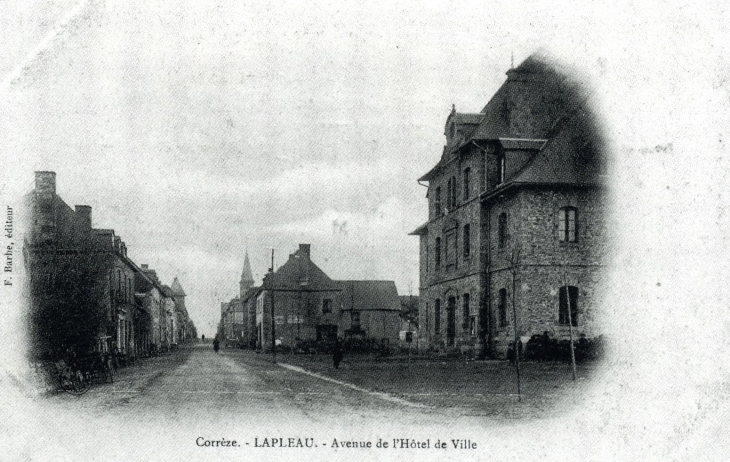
[568,224]
[437,253]
[467,241]
[453,193]
[355,319]
[467,172]
[428,258]
[502,307]
[466,308]
[502,230]
[448,194]
[326,305]
[437,201]
[502,168]
[437,317]
[450,248]
[568,297]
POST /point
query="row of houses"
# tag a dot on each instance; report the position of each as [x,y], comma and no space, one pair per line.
[308,307]
[86,292]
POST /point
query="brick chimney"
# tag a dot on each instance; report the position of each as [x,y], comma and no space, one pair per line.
[45,182]
[304,250]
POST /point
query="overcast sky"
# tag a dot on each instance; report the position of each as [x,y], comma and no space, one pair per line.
[199,129]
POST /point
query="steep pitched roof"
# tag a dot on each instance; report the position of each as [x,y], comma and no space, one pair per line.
[573,156]
[177,288]
[369,296]
[529,104]
[299,273]
[246,274]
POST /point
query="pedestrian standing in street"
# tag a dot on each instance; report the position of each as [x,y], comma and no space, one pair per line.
[203,337]
[216,345]
[337,354]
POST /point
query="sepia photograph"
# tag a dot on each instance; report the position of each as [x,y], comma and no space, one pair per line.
[334,230]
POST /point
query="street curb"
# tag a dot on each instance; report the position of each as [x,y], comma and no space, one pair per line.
[378,394]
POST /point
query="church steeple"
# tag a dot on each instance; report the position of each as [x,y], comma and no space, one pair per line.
[246,276]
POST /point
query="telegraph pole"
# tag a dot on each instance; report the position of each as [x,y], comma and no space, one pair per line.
[515,260]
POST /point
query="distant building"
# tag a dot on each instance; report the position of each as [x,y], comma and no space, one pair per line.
[152,303]
[516,222]
[237,326]
[181,320]
[311,307]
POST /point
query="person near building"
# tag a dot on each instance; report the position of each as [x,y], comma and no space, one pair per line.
[337,354]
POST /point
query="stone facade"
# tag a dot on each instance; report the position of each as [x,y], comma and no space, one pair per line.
[135,307]
[516,224]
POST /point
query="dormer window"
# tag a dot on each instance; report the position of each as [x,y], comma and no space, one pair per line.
[452,131]
[501,169]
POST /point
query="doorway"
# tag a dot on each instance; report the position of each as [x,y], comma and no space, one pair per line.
[451,321]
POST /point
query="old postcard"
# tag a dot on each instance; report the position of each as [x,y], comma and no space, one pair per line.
[383,231]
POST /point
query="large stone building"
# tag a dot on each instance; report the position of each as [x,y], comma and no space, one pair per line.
[515,232]
[311,307]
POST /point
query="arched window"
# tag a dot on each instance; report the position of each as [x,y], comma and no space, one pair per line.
[502,230]
[437,317]
[568,299]
[437,202]
[502,307]
[568,224]
[437,253]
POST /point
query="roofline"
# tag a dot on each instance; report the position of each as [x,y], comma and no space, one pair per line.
[394,310]
[364,280]
[275,289]
[488,195]
[420,231]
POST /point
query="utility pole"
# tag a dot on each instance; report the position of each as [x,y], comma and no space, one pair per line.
[273,312]
[570,319]
[515,258]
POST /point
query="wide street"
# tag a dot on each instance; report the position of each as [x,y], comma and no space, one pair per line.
[195,383]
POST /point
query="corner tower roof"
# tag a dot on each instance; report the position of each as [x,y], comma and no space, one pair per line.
[177,288]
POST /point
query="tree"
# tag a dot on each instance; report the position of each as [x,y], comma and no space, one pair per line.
[68,308]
